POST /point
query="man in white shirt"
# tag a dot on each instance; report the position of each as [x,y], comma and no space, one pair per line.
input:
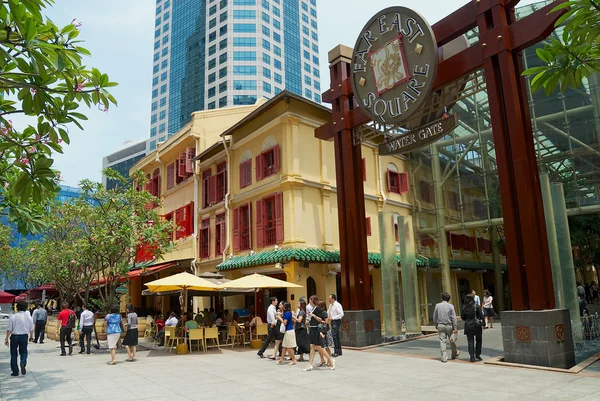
[86,327]
[271,321]
[335,315]
[476,299]
[20,329]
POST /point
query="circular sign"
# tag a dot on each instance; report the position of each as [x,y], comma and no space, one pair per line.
[394,65]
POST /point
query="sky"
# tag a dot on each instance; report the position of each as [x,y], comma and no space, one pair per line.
[120,36]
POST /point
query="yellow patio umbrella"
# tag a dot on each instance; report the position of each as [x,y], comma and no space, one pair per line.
[257,281]
[184,282]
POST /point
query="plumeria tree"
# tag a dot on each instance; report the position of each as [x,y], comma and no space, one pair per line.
[42,75]
[118,224]
[576,56]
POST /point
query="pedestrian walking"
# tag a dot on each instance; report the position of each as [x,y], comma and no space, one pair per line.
[474,324]
[315,337]
[325,332]
[302,339]
[278,335]
[113,326]
[476,298]
[20,329]
[335,314]
[488,309]
[40,317]
[86,327]
[131,337]
[444,318]
[271,312]
[67,319]
[289,337]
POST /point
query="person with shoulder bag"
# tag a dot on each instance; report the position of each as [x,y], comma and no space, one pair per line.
[474,326]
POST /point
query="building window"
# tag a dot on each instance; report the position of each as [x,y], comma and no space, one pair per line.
[212,37]
[212,63]
[221,182]
[212,50]
[205,239]
[223,72]
[266,31]
[223,102]
[266,73]
[240,100]
[267,163]
[223,57]
[276,24]
[266,18]
[265,4]
[223,17]
[244,28]
[397,182]
[267,87]
[426,190]
[223,87]
[220,234]
[244,56]
[276,37]
[223,44]
[452,200]
[170,176]
[243,2]
[266,58]
[184,221]
[278,78]
[269,220]
[276,11]
[307,80]
[244,84]
[212,23]
[266,45]
[163,101]
[211,92]
[206,175]
[244,70]
[277,50]
[163,76]
[213,10]
[277,64]
[212,105]
[308,93]
[244,42]
[223,30]
[246,173]
[242,228]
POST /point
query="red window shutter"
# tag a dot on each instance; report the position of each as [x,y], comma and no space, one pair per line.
[190,218]
[148,185]
[250,224]
[222,234]
[189,164]
[242,175]
[404,185]
[260,234]
[259,167]
[487,246]
[249,172]
[368,224]
[364,169]
[181,162]
[212,190]
[389,181]
[472,244]
[236,230]
[170,176]
[276,159]
[279,217]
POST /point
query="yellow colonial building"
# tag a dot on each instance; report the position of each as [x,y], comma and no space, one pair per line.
[252,190]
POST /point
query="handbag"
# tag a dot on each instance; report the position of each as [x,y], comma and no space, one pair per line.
[478,322]
[282,328]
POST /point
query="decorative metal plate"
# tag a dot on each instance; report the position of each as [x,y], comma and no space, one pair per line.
[523,334]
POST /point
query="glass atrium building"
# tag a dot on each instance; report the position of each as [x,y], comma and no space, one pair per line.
[211,54]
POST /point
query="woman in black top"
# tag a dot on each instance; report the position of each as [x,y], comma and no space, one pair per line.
[315,336]
[302,339]
[474,323]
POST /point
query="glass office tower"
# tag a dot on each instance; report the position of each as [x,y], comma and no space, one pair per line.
[211,54]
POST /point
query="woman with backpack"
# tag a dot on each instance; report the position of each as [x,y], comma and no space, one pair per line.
[474,324]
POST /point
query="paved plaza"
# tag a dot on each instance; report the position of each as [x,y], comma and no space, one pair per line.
[239,375]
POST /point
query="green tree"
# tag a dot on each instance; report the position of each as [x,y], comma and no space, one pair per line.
[41,75]
[577,55]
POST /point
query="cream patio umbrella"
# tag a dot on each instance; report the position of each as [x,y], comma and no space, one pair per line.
[182,282]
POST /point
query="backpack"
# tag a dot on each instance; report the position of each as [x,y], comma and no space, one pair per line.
[71,321]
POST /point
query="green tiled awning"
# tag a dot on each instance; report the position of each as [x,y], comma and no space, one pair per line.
[307,255]
[465,264]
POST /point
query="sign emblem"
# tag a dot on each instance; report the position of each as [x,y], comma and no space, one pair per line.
[394,65]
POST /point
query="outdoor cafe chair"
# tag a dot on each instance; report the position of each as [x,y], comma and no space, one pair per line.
[233,335]
[171,338]
[196,335]
[212,333]
[262,329]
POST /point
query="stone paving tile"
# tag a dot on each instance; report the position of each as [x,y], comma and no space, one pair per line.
[240,375]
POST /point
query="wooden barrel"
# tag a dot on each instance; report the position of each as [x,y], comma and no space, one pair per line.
[51,329]
[142,324]
[100,330]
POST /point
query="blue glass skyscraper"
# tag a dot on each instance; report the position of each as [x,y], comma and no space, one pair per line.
[211,54]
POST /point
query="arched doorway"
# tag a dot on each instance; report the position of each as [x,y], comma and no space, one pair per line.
[311,287]
[464,288]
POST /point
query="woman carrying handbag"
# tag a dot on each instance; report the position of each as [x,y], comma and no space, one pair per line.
[474,324]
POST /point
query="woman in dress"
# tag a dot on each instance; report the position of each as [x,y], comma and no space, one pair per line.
[315,338]
[326,337]
[131,337]
[289,337]
[278,334]
[113,326]
[302,339]
[488,309]
[473,318]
